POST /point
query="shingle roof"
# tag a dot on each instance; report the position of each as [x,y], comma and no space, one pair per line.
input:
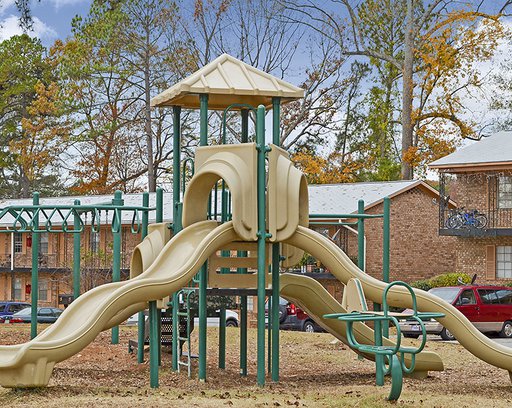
[228,80]
[490,150]
[343,198]
[323,199]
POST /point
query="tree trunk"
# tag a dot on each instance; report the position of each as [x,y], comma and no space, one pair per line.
[407,127]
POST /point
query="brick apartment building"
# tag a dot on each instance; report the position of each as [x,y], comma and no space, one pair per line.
[416,250]
[56,251]
[479,177]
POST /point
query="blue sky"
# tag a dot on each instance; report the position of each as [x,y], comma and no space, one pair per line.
[52,18]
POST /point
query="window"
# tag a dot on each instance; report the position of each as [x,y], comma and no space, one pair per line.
[504,296]
[504,262]
[95,242]
[18,242]
[467,297]
[17,288]
[43,243]
[488,296]
[505,192]
[43,290]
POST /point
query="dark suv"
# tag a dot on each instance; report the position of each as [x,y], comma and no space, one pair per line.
[9,308]
[292,317]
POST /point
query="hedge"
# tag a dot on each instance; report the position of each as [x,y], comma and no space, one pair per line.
[447,279]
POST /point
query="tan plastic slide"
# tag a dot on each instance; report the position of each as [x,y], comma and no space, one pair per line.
[31,364]
[343,269]
[314,299]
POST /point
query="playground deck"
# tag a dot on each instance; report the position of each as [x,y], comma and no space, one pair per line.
[314,373]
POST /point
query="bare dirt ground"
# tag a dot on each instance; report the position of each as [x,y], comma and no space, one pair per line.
[314,373]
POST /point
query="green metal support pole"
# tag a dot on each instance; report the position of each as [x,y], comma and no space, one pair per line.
[35,270]
[116,254]
[176,197]
[276,139]
[243,299]
[153,344]
[385,253]
[154,313]
[243,336]
[76,254]
[386,240]
[269,335]
[262,235]
[222,337]
[360,236]
[203,141]
[159,218]
[141,323]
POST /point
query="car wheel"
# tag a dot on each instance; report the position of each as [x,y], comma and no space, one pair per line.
[446,335]
[308,326]
[231,323]
[283,314]
[506,331]
[411,335]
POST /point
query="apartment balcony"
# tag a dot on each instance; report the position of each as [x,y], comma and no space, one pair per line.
[475,223]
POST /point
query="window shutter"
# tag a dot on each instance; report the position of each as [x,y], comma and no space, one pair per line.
[490,262]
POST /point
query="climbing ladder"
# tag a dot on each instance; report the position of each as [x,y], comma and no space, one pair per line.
[185,317]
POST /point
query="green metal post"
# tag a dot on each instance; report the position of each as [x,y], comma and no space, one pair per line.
[269,335]
[222,337]
[243,336]
[276,139]
[116,255]
[262,235]
[176,177]
[159,218]
[203,141]
[35,270]
[385,253]
[243,299]
[385,240]
[76,254]
[360,236]
[154,313]
[141,323]
[153,344]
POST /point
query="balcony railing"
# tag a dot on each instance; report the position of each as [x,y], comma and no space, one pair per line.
[498,221]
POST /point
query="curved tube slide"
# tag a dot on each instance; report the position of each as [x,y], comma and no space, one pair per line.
[343,269]
[31,364]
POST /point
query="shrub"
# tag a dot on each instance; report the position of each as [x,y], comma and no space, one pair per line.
[446,279]
[421,284]
[449,279]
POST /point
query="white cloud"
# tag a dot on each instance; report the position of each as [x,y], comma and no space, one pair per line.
[5,4]
[63,3]
[10,27]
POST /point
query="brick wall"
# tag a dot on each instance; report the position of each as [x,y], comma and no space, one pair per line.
[416,249]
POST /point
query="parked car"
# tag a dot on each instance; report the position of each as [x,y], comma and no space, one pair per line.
[211,321]
[292,317]
[489,308]
[9,308]
[44,315]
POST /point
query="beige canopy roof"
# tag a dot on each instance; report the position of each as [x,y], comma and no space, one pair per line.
[227,80]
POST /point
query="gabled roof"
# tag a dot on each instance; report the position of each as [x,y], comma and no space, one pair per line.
[227,80]
[494,152]
[343,198]
[323,199]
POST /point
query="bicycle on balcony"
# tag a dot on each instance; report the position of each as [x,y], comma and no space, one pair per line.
[460,218]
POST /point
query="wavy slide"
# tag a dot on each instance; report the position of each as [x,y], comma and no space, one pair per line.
[343,269]
[31,364]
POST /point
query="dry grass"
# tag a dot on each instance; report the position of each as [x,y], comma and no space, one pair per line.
[314,373]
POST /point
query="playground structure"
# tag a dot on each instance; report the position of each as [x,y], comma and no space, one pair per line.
[266,223]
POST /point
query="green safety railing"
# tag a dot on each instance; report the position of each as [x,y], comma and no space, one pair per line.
[389,360]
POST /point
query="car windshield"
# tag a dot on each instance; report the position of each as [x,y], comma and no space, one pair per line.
[447,294]
[24,312]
